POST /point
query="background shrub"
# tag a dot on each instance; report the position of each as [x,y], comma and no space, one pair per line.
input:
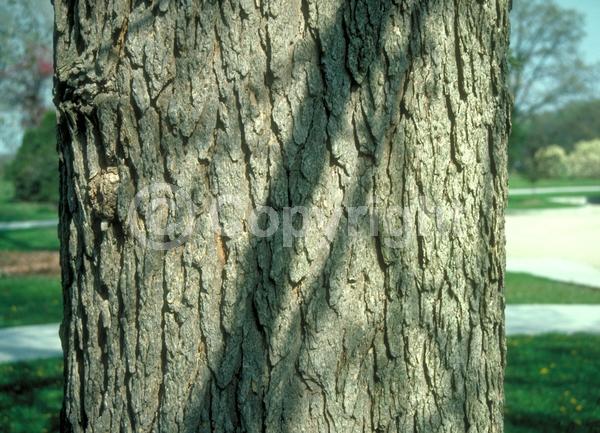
[551,162]
[34,170]
[584,161]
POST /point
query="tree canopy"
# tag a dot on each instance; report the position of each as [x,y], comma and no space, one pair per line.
[548,79]
[547,69]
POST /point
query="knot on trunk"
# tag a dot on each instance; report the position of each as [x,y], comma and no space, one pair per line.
[102,190]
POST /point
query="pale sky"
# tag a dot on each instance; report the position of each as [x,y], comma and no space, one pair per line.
[590,47]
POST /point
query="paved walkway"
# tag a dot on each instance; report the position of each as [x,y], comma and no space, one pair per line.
[23,225]
[29,342]
[562,319]
[41,341]
[560,244]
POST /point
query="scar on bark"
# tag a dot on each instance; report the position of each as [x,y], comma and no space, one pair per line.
[121,38]
[102,192]
[220,247]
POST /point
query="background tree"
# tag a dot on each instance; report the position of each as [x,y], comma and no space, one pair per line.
[400,107]
[566,126]
[25,67]
[550,163]
[585,159]
[31,170]
[547,70]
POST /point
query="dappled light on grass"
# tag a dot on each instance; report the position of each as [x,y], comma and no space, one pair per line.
[31,396]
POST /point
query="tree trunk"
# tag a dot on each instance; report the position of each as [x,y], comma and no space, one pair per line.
[375,131]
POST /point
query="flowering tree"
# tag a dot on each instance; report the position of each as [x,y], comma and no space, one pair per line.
[585,159]
[550,162]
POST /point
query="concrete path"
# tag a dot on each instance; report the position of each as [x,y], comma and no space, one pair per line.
[29,342]
[554,190]
[23,225]
[562,319]
[42,341]
[560,244]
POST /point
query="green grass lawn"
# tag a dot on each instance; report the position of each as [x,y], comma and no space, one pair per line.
[30,396]
[26,240]
[517,181]
[21,211]
[552,386]
[43,239]
[527,289]
[545,200]
[30,300]
[534,201]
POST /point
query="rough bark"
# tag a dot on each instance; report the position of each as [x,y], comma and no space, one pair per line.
[400,106]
